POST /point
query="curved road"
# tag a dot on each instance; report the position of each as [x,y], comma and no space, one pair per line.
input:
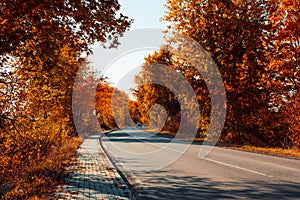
[161,168]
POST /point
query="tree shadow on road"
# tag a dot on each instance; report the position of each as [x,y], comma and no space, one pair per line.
[154,138]
[189,187]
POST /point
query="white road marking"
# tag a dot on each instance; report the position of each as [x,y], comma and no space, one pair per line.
[167,147]
[237,167]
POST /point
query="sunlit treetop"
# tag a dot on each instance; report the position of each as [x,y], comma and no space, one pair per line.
[78,23]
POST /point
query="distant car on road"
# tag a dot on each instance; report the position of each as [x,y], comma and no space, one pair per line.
[139,124]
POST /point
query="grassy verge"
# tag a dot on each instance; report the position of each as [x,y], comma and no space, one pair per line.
[294,153]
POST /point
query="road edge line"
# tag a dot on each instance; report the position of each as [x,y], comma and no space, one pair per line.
[119,170]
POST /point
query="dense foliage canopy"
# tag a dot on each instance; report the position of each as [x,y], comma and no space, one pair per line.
[255,45]
[42,46]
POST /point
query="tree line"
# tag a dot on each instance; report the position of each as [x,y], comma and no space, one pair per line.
[256,47]
[43,45]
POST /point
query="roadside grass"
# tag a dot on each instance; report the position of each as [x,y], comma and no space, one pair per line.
[294,153]
[291,153]
[40,179]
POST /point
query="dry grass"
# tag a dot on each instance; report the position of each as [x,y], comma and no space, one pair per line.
[39,180]
[295,153]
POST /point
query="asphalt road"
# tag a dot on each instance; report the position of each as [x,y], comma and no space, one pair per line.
[161,168]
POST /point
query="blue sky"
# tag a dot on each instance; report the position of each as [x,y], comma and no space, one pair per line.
[146,14]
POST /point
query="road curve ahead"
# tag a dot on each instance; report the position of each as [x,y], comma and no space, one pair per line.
[161,168]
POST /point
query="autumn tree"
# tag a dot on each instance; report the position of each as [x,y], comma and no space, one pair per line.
[292,117]
[48,40]
[36,32]
[77,23]
[166,88]
[136,113]
[103,106]
[39,123]
[283,51]
[83,100]
[148,95]
[233,33]
[244,39]
[121,108]
[113,107]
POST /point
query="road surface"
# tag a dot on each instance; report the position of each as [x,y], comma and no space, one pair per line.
[162,168]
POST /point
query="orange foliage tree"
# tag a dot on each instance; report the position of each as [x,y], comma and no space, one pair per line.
[151,94]
[283,51]
[112,106]
[48,41]
[239,35]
